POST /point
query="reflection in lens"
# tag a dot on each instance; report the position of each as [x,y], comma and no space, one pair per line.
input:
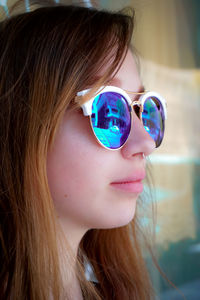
[111,119]
[153,119]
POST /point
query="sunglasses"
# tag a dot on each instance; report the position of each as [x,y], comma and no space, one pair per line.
[110,112]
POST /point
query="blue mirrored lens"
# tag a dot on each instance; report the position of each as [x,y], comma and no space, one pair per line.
[111,119]
[153,119]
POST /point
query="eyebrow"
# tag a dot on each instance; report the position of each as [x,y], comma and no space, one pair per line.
[118,82]
[140,91]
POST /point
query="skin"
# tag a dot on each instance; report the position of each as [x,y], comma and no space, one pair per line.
[80,170]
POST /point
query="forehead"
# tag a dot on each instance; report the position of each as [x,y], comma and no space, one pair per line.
[128,76]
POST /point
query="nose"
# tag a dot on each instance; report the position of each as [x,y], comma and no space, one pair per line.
[139,141]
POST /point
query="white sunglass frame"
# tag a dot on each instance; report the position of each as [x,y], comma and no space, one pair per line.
[87,106]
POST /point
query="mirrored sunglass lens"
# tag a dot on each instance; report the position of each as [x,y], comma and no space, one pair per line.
[111,119]
[153,119]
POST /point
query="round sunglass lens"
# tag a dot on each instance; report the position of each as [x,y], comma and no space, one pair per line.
[111,119]
[153,119]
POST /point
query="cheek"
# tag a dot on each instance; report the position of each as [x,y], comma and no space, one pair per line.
[67,189]
[75,178]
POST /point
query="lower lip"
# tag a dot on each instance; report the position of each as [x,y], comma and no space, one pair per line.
[132,187]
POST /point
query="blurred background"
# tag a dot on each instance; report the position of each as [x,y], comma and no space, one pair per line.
[167,39]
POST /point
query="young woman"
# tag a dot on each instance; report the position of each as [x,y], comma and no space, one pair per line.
[76,126]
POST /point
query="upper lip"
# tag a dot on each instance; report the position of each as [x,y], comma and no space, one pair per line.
[137,176]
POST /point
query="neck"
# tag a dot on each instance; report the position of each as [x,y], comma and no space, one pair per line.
[68,259]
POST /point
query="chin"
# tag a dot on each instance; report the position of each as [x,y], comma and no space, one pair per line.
[119,221]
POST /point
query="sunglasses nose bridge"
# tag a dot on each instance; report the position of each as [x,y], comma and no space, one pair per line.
[137,107]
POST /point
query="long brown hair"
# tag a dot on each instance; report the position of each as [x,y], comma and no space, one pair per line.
[46,57]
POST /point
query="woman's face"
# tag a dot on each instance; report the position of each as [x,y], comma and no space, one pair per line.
[88,183]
